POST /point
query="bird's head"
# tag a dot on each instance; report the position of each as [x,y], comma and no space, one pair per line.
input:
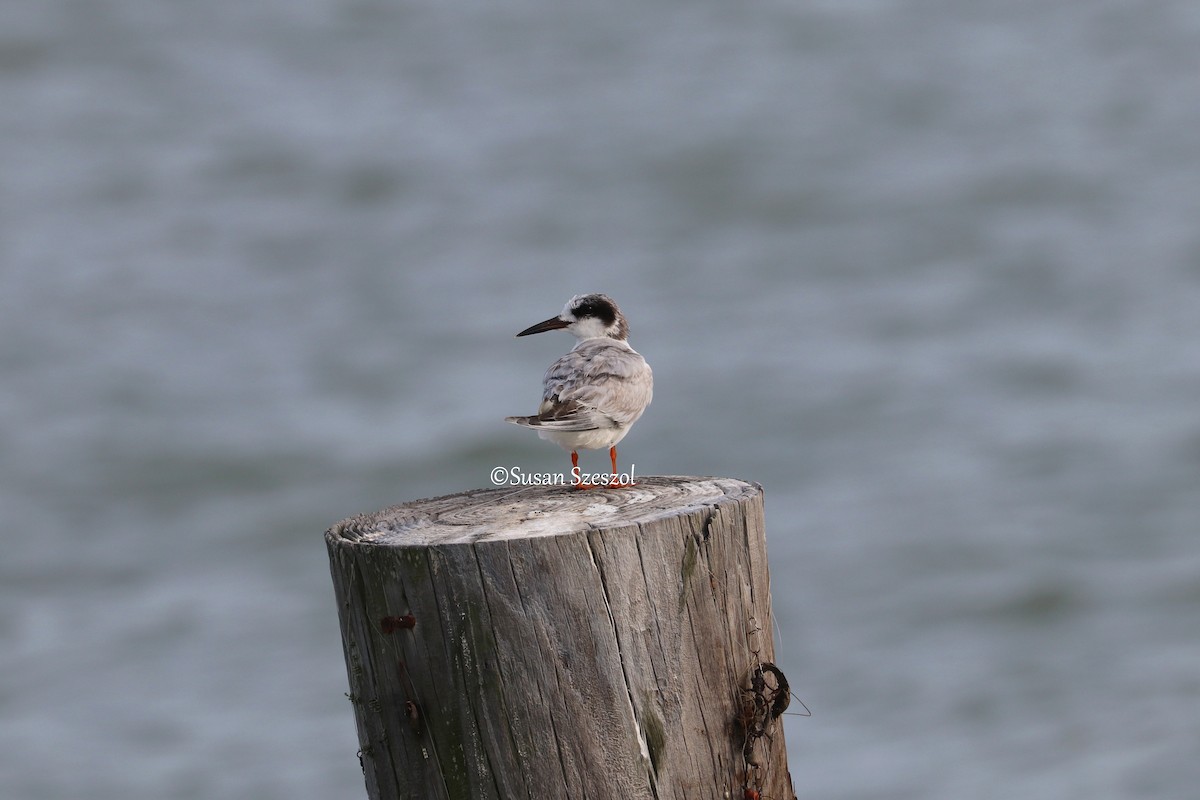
[586,316]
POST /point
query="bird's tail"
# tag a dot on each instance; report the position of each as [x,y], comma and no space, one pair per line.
[524,422]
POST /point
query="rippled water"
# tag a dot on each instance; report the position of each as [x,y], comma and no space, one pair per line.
[928,271]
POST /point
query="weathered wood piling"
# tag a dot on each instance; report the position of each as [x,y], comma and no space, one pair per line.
[544,642]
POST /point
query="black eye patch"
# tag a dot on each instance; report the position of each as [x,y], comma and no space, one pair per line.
[598,308]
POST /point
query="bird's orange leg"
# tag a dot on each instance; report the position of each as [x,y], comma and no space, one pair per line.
[575,471]
[612,453]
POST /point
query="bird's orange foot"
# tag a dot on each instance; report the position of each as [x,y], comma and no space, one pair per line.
[617,484]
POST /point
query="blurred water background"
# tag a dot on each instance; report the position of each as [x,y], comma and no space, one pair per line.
[927,270]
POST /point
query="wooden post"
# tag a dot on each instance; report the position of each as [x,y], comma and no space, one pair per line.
[547,643]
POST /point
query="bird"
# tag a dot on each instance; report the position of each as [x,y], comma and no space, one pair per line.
[593,394]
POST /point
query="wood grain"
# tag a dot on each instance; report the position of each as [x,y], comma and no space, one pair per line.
[564,644]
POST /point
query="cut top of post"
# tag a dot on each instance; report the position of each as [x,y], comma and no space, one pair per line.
[532,511]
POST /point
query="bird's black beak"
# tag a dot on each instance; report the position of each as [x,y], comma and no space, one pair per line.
[552,324]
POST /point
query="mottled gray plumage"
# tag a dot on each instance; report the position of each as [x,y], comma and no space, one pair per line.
[593,394]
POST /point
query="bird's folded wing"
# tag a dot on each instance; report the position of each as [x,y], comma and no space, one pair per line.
[570,417]
[611,384]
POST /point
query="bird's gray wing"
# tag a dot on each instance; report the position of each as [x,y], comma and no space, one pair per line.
[596,385]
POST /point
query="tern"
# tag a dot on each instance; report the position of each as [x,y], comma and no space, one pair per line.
[593,394]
